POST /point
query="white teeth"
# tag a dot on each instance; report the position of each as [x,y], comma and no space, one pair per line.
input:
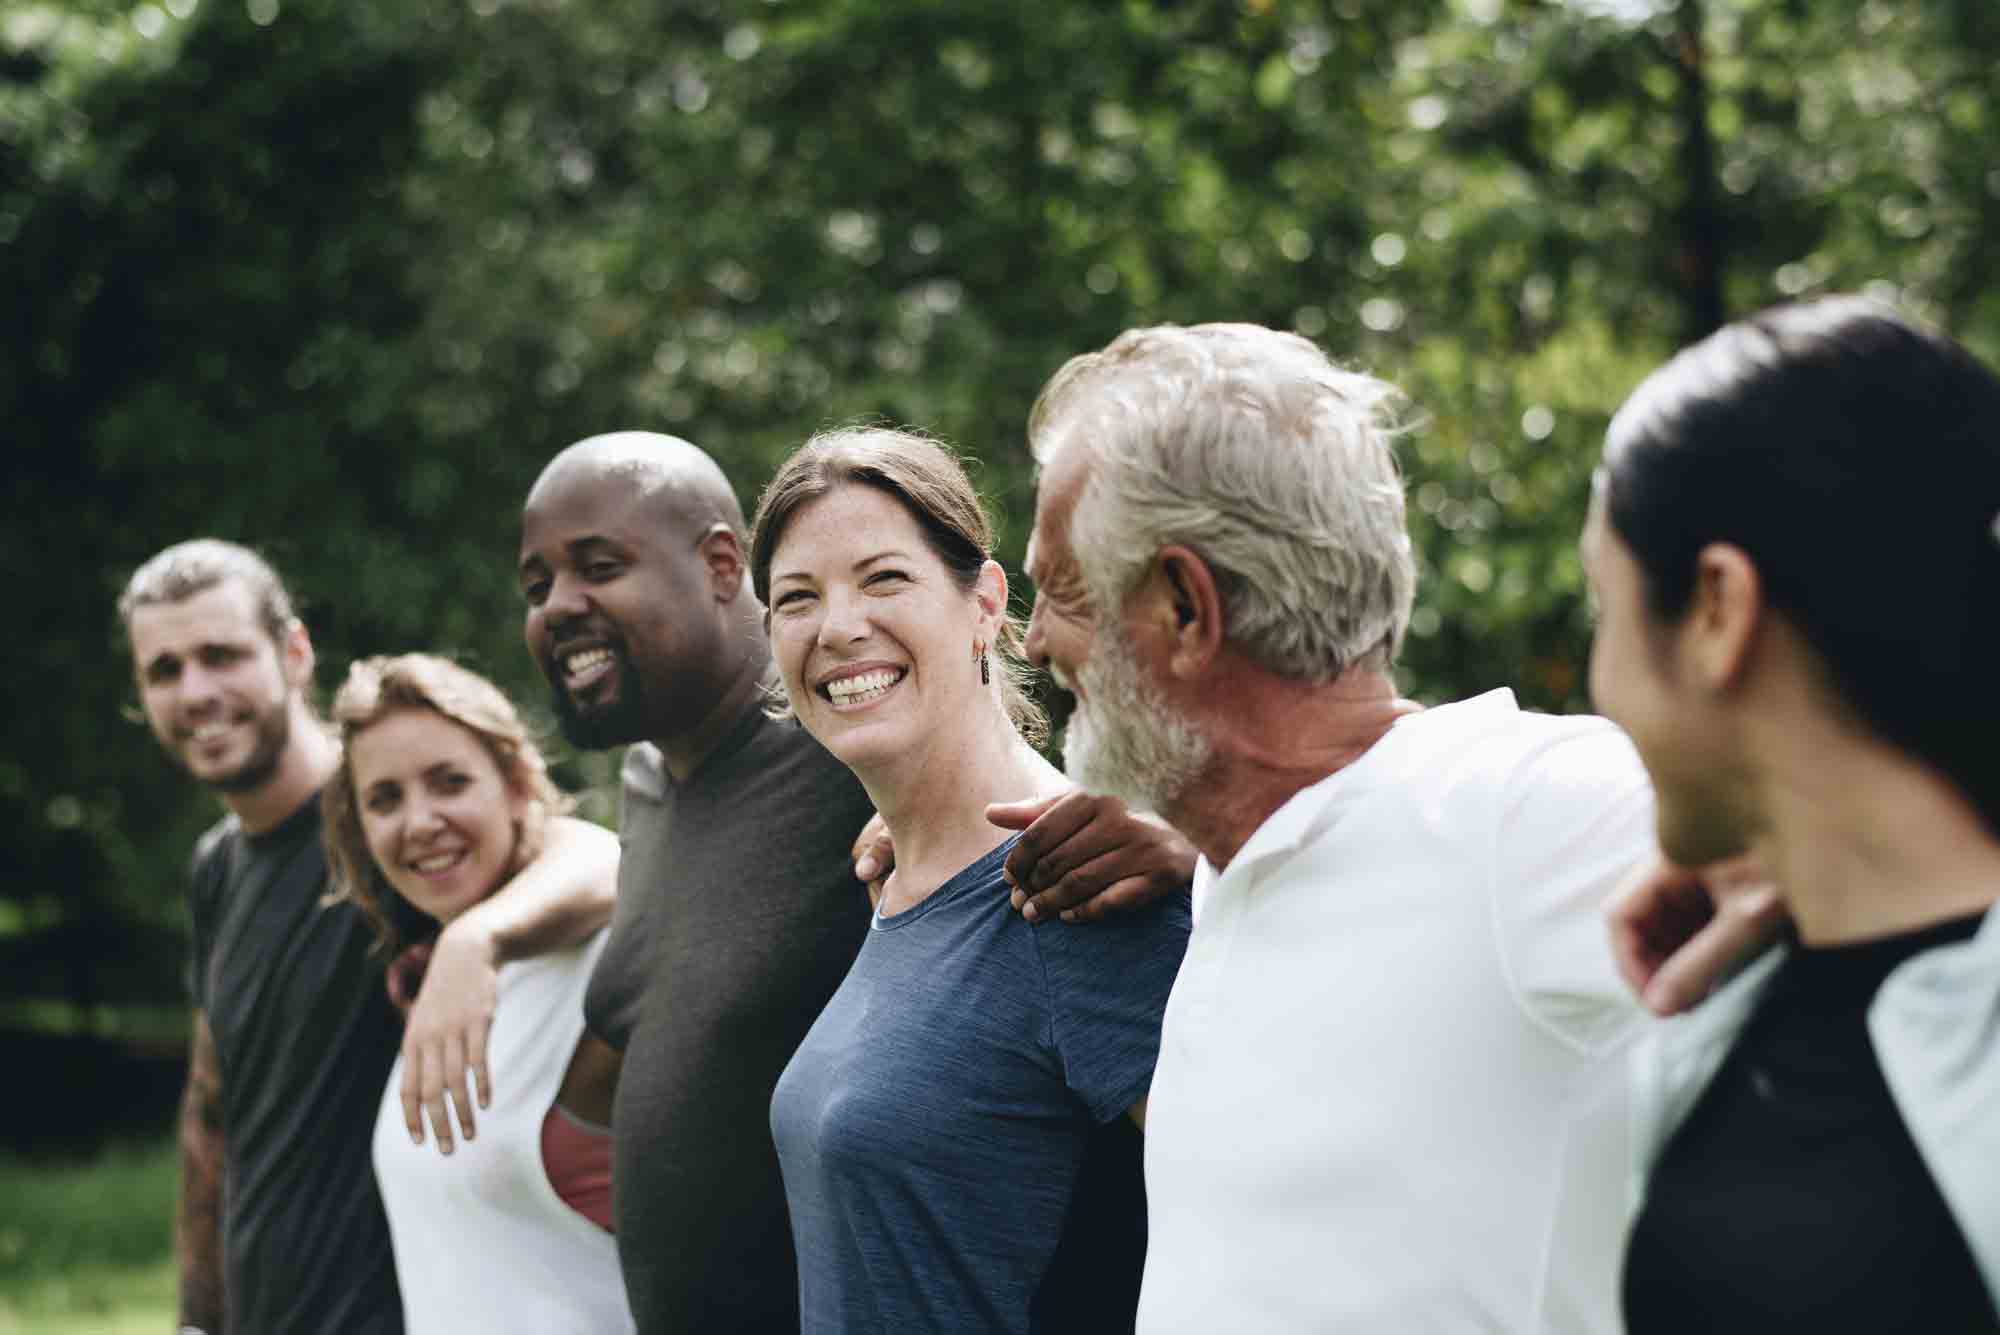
[585,659]
[437,862]
[866,685]
[208,732]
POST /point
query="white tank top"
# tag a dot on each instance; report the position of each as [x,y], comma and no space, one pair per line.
[483,1243]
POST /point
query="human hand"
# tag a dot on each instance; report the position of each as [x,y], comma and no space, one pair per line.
[1083,856]
[874,857]
[1677,931]
[444,1041]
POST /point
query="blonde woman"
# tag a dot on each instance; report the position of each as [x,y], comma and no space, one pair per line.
[440,798]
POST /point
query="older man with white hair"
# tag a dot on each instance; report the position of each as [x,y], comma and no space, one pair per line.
[1389,1092]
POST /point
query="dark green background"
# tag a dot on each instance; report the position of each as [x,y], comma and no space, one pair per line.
[335,277]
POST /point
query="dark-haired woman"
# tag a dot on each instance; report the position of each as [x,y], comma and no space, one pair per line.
[1795,548]
[932,1124]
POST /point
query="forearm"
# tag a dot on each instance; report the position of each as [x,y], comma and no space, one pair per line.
[558,900]
[198,1218]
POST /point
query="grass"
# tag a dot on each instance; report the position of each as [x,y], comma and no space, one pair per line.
[87,1247]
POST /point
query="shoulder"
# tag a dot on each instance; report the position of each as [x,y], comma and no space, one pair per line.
[1105,954]
[784,768]
[643,772]
[1490,736]
[209,864]
[211,849]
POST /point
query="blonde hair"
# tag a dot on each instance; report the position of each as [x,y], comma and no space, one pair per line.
[380,686]
[929,482]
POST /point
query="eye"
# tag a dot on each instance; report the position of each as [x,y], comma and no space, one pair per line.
[452,781]
[535,591]
[599,571]
[889,576]
[792,600]
[162,671]
[382,799]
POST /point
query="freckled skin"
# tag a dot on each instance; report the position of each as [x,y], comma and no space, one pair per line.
[855,589]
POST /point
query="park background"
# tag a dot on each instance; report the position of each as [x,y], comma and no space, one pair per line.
[335,277]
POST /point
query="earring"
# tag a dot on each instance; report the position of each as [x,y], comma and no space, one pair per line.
[985,672]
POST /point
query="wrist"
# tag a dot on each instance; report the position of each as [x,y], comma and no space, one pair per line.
[471,934]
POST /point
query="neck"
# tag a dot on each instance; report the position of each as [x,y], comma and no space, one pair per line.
[740,689]
[934,803]
[1275,738]
[1865,843]
[309,760]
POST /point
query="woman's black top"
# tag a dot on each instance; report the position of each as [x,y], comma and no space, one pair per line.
[1792,1197]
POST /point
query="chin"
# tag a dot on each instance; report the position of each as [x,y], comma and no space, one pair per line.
[1694,836]
[597,728]
[1088,765]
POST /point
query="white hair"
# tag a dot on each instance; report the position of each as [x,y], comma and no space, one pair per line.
[1253,449]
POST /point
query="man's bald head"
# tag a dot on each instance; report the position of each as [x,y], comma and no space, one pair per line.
[675,479]
[639,608]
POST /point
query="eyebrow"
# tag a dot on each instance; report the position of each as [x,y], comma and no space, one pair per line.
[575,547]
[891,554]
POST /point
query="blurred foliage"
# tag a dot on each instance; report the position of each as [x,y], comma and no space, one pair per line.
[86,1247]
[335,277]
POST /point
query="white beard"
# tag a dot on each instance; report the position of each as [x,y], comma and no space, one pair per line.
[1122,738]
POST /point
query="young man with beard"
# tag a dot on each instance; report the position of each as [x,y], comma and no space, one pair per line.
[740,912]
[279,1225]
[1389,1093]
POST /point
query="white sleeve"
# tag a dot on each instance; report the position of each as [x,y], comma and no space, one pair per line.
[1576,819]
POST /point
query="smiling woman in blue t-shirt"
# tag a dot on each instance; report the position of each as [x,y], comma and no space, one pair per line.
[932,1124]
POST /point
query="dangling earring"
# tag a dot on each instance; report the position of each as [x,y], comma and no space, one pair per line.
[985,672]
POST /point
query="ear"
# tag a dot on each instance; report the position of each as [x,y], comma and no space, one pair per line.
[295,655]
[1187,609]
[990,592]
[722,554]
[1724,616]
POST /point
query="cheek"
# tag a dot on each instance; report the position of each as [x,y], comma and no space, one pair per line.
[791,642]
[379,833]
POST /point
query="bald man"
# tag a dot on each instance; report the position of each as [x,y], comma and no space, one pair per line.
[738,910]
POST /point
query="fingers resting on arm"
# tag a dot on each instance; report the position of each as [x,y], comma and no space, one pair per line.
[1083,856]
[1676,932]
[444,1042]
[874,856]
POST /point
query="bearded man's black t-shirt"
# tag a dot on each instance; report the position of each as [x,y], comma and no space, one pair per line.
[304,1036]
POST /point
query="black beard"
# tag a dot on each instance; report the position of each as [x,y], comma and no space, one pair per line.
[602,729]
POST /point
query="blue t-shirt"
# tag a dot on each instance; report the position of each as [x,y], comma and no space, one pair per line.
[932,1123]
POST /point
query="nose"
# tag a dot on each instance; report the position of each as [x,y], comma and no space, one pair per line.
[197,687]
[844,620]
[1035,644]
[420,816]
[566,600]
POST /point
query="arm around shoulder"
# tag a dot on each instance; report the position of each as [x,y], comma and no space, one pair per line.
[559,900]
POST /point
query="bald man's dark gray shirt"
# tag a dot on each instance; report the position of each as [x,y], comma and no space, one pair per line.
[738,916]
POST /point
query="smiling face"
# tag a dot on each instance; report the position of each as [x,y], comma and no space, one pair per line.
[439,818]
[621,616]
[217,691]
[871,631]
[1122,737]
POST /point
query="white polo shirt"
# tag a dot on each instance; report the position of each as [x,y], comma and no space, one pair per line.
[1391,1093]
